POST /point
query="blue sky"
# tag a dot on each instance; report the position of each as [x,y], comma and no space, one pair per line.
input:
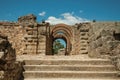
[61,10]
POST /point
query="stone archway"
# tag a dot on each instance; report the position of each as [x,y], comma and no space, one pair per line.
[59,31]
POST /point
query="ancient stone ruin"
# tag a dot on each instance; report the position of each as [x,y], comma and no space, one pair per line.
[28,37]
[10,68]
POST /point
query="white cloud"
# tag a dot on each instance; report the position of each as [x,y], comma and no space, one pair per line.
[42,13]
[66,18]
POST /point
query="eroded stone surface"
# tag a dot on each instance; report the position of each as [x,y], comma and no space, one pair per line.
[9,69]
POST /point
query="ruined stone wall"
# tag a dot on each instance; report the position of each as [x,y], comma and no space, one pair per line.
[76,40]
[26,36]
[42,38]
[35,39]
[15,34]
[102,40]
[81,36]
[95,38]
[10,68]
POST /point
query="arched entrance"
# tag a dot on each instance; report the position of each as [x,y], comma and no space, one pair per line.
[59,31]
[59,46]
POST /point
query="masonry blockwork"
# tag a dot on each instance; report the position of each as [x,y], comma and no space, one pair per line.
[28,36]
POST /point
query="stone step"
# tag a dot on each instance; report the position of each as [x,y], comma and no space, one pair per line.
[68,62]
[70,74]
[41,51]
[69,68]
[68,79]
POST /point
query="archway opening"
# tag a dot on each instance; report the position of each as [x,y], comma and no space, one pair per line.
[60,33]
[59,46]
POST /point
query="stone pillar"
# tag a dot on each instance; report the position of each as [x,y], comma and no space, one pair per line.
[49,40]
[31,39]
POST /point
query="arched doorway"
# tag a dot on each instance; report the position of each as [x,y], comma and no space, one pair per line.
[59,31]
[59,46]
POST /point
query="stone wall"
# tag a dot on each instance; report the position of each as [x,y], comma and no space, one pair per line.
[102,40]
[93,38]
[10,68]
[15,34]
[81,36]
[35,39]
[26,36]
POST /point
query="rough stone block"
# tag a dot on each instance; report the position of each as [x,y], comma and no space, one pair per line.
[93,54]
[113,44]
[1,54]
[106,32]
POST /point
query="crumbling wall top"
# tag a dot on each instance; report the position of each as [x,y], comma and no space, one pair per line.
[28,19]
